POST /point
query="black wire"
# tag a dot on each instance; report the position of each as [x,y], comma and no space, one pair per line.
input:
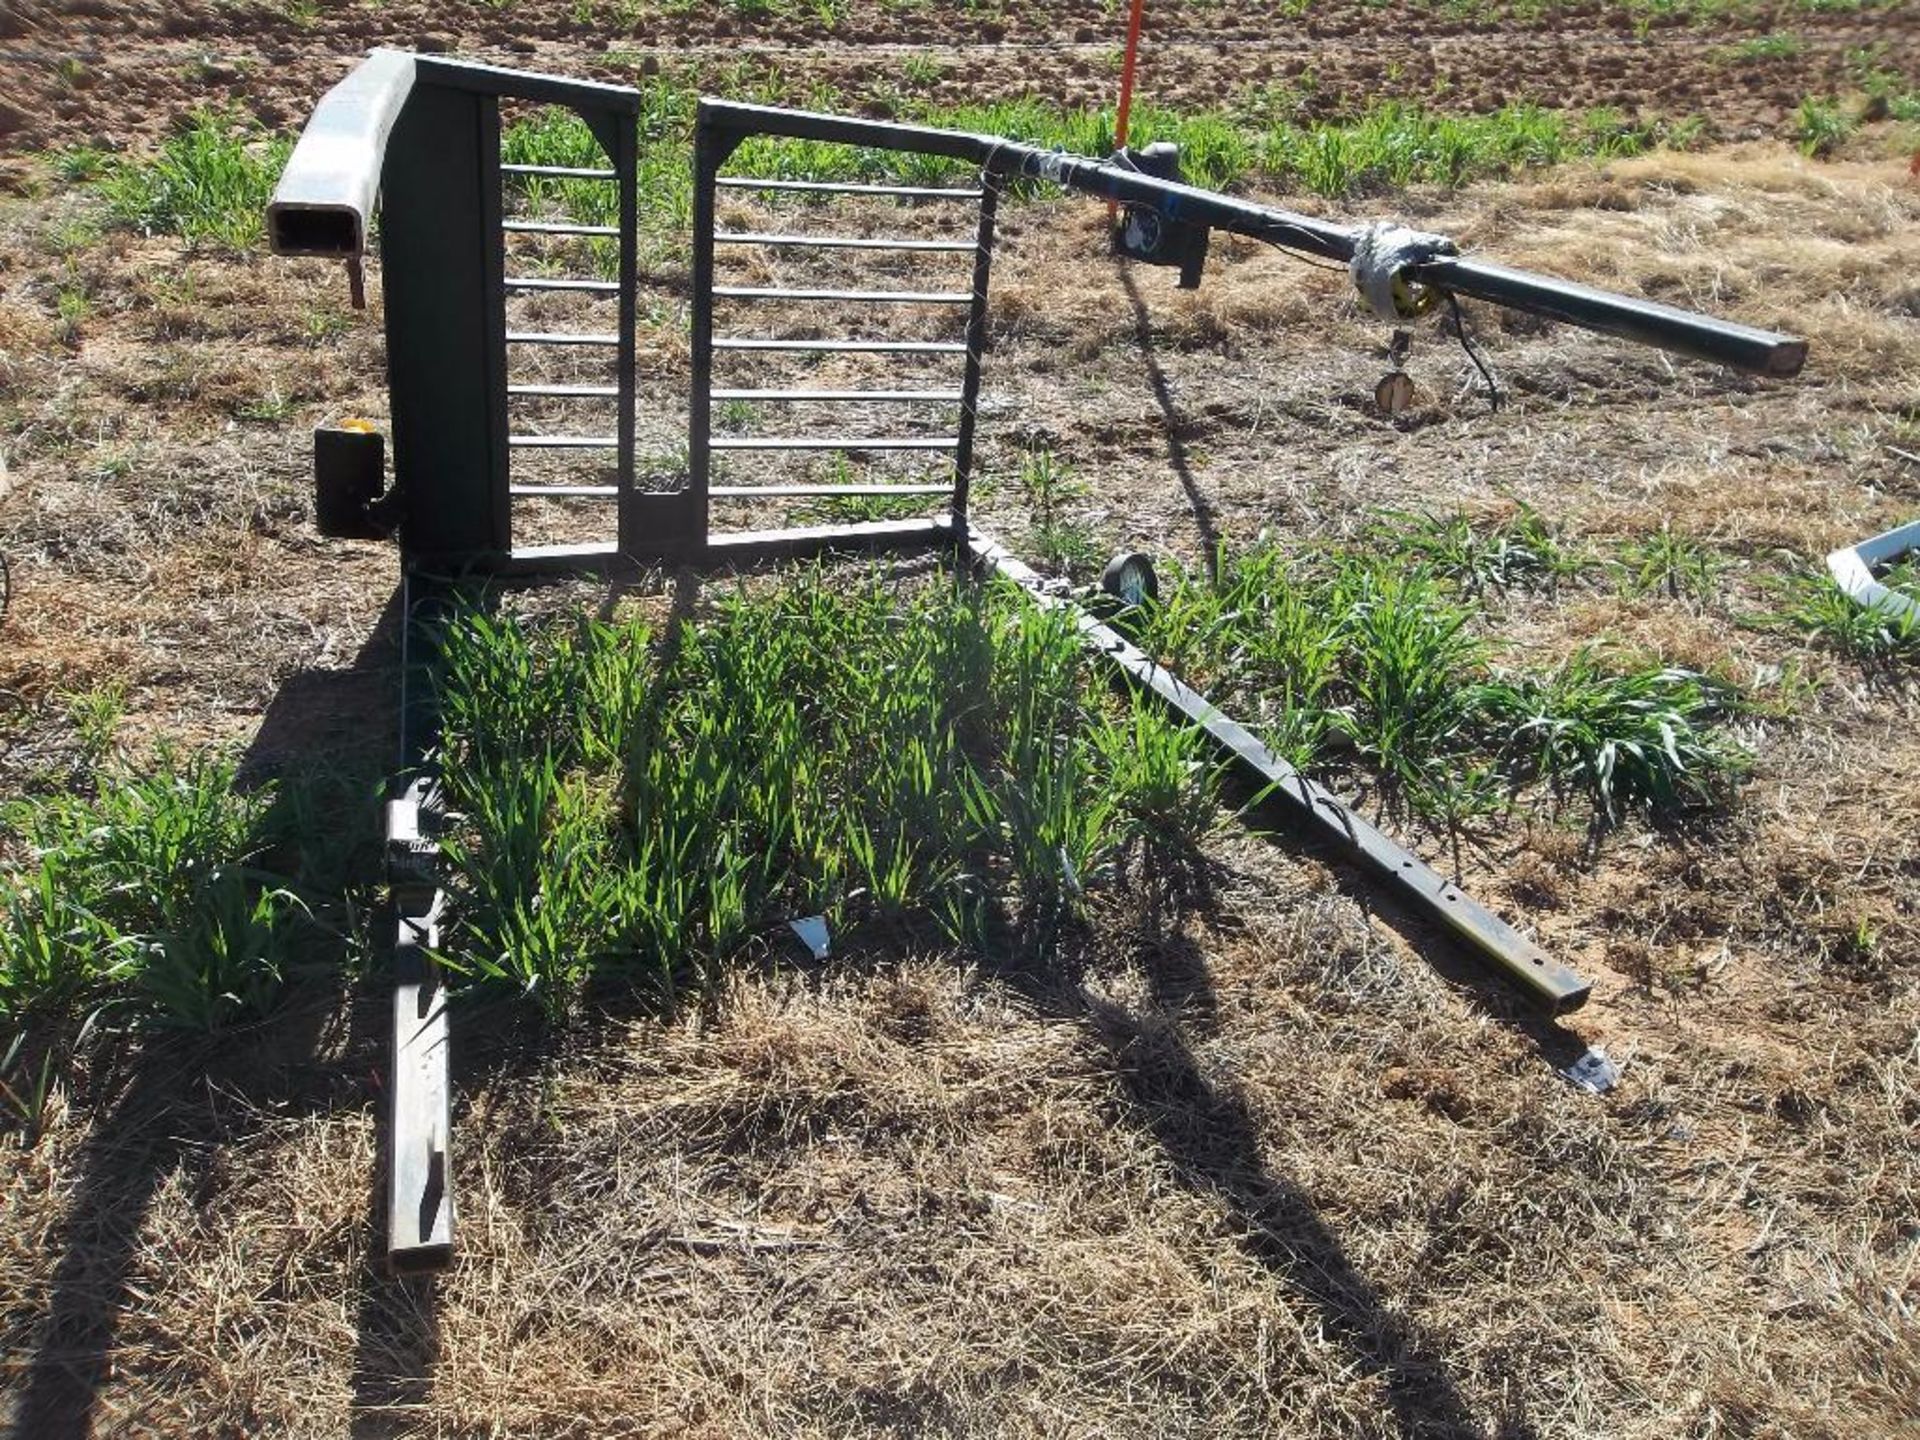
[1460,330]
[1292,253]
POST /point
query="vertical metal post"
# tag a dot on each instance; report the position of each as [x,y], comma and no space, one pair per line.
[709,149]
[626,161]
[493,241]
[440,245]
[976,343]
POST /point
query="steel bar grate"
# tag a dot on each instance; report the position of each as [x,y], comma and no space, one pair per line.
[857,297]
[842,242]
[930,397]
[849,347]
[823,187]
[838,442]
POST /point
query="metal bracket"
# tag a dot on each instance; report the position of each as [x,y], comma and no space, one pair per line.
[1852,569]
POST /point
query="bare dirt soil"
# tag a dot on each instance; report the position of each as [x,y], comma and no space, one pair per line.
[1271,1162]
[110,71]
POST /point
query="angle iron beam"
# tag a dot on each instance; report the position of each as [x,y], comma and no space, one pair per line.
[419,1170]
[1853,569]
[1540,977]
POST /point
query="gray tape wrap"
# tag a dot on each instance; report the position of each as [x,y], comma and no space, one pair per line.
[1380,252]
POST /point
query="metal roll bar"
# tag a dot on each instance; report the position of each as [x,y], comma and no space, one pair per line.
[1647,322]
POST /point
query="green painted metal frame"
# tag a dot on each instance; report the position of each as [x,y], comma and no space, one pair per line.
[426,132]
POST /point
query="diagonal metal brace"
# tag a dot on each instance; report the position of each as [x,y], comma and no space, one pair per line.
[1543,979]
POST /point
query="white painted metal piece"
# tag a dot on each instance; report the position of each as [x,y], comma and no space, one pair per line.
[1594,1072]
[813,934]
[1853,570]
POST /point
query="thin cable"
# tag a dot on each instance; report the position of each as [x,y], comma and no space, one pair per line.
[1460,330]
[1293,253]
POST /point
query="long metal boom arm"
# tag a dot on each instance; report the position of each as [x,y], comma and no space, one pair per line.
[1647,322]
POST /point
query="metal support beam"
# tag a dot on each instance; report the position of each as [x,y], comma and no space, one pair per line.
[419,1129]
[976,346]
[1543,979]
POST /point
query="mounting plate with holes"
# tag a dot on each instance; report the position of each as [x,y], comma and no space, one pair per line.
[1130,579]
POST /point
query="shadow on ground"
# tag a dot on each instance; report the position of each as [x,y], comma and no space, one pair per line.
[324,1050]
[169,1103]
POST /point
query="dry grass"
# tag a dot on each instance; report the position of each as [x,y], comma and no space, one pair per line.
[1259,1168]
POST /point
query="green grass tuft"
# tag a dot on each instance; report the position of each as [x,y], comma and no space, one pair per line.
[1369,663]
[209,183]
[1815,604]
[1821,127]
[1675,565]
[150,891]
[633,808]
[1633,740]
[1519,553]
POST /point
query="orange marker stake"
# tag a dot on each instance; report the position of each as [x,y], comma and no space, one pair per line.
[1126,85]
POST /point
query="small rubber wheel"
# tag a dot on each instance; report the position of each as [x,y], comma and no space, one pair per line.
[1394,393]
[1130,579]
